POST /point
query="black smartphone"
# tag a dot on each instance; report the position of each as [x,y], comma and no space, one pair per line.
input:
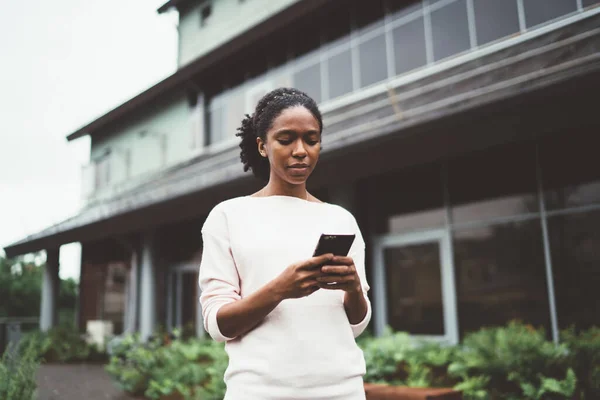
[338,245]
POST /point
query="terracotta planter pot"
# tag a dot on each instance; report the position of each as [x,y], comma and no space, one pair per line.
[385,392]
[172,396]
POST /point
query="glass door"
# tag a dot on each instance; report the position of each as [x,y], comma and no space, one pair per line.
[414,288]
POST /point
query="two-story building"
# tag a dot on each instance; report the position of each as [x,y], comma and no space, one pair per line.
[460,133]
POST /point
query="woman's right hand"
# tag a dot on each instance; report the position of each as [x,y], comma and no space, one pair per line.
[300,279]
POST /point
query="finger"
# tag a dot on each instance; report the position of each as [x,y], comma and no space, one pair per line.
[335,279]
[341,260]
[334,286]
[310,286]
[337,270]
[316,261]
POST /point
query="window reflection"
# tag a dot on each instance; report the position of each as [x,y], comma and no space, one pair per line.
[450,30]
[417,221]
[408,200]
[500,276]
[570,172]
[309,80]
[234,112]
[540,11]
[575,247]
[500,182]
[409,46]
[340,74]
[215,128]
[495,19]
[373,61]
[414,288]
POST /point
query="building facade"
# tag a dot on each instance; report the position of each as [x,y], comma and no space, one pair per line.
[459,132]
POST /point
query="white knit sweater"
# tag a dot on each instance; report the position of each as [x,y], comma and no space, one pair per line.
[305,348]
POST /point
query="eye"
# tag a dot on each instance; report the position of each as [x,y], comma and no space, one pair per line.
[284,142]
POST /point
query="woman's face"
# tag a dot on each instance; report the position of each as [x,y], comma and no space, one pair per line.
[293,145]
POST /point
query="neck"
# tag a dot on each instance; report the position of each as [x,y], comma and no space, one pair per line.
[285,189]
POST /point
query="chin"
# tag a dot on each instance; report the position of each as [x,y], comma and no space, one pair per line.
[297,181]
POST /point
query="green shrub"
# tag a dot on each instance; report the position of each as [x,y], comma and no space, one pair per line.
[515,361]
[511,362]
[169,366]
[386,357]
[584,358]
[428,364]
[398,359]
[17,373]
[546,388]
[62,344]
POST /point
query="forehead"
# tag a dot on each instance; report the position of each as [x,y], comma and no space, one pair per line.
[296,118]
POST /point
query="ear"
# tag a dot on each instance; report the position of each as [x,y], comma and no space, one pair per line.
[261,147]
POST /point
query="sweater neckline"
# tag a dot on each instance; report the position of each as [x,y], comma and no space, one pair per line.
[285,197]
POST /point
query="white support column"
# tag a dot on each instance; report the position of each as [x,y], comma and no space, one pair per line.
[50,288]
[132,290]
[147,271]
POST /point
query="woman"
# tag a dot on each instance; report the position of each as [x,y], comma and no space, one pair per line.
[289,319]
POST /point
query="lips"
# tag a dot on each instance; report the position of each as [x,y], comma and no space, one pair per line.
[298,166]
[298,169]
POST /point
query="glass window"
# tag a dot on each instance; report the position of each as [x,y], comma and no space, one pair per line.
[575,249]
[205,13]
[414,288]
[450,30]
[340,74]
[373,61]
[501,276]
[495,19]
[570,172]
[540,11]
[589,3]
[500,182]
[409,46]
[309,80]
[215,125]
[407,200]
[233,112]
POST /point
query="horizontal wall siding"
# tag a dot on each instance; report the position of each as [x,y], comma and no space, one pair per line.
[136,146]
[228,19]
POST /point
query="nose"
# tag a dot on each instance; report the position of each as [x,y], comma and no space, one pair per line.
[299,150]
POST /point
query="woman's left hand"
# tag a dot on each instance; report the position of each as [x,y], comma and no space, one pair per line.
[340,275]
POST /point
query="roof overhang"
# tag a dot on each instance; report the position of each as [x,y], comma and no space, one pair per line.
[184,77]
[535,78]
[172,3]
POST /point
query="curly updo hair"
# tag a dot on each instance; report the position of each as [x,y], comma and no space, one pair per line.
[256,125]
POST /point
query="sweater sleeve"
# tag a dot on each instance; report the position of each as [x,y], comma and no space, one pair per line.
[357,253]
[218,276]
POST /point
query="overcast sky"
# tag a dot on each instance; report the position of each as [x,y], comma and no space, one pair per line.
[63,63]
